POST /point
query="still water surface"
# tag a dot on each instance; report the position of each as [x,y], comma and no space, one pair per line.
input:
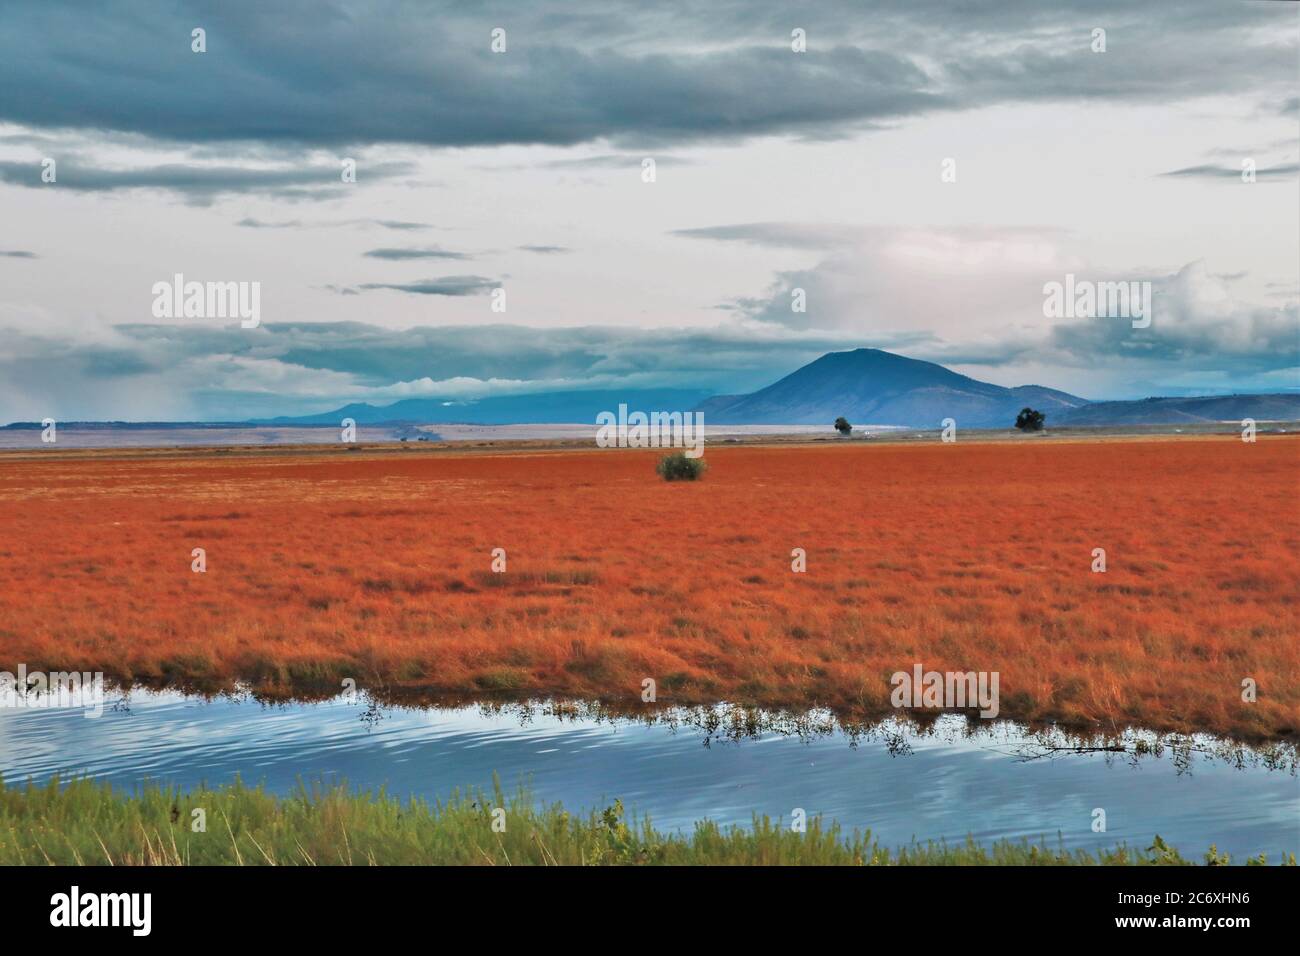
[901,784]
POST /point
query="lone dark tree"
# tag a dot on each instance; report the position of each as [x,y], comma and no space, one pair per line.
[1030,420]
[842,426]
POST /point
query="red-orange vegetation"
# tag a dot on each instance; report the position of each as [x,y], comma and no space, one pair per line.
[377,566]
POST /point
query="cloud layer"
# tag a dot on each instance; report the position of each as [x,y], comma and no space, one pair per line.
[208,371]
[363,73]
[779,173]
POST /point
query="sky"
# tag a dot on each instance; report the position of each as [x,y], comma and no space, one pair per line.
[916,174]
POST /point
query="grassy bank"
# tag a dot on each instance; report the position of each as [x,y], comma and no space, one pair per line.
[87,823]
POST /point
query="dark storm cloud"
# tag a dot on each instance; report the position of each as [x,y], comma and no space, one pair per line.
[776,234]
[251,223]
[103,363]
[385,71]
[283,368]
[1194,327]
[397,224]
[609,161]
[1282,173]
[196,184]
[447,285]
[394,224]
[1193,346]
[285,73]
[720,357]
[398,255]
[336,362]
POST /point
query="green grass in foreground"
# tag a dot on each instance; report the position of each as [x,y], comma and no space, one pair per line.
[84,822]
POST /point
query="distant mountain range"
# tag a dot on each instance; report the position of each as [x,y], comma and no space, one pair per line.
[1189,411]
[866,386]
[870,386]
[541,408]
[873,387]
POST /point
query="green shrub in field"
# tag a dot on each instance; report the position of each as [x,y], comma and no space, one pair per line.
[677,467]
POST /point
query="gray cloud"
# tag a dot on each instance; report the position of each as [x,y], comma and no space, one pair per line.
[251,223]
[878,279]
[1194,327]
[283,82]
[610,161]
[318,85]
[198,185]
[398,255]
[941,282]
[395,224]
[18,254]
[1282,173]
[447,285]
[297,72]
[380,357]
[221,372]
[545,250]
[778,234]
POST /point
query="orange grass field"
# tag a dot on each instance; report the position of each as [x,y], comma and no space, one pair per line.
[375,565]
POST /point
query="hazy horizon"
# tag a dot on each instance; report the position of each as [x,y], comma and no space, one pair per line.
[631,394]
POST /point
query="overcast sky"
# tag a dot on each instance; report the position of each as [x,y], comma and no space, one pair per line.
[523,170]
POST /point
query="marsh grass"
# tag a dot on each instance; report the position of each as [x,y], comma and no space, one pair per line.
[83,822]
[327,573]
